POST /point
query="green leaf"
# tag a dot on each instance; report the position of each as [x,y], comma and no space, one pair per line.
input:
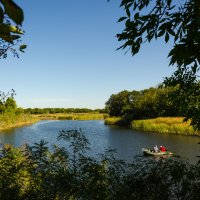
[136,16]
[6,37]
[128,12]
[167,37]
[121,19]
[161,33]
[15,29]
[4,29]
[13,11]
[22,47]
[171,32]
[15,37]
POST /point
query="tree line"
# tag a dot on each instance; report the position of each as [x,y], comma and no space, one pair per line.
[144,104]
[61,110]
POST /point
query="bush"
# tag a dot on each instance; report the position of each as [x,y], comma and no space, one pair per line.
[40,172]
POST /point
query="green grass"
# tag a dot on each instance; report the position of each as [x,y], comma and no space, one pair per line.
[112,120]
[72,116]
[12,120]
[168,125]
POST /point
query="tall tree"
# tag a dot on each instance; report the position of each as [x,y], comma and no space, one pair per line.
[118,103]
[145,20]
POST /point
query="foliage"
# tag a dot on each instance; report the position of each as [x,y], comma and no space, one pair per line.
[11,18]
[40,172]
[61,110]
[10,115]
[113,120]
[7,101]
[144,104]
[176,21]
[188,100]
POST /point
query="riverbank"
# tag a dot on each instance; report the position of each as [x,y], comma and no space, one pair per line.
[11,120]
[72,116]
[113,120]
[162,125]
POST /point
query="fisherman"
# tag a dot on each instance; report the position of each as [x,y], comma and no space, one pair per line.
[163,149]
[156,150]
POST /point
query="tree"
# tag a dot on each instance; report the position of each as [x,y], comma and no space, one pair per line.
[7,100]
[118,103]
[11,104]
[179,20]
[11,18]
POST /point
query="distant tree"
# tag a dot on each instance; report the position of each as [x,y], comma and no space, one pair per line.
[11,18]
[179,20]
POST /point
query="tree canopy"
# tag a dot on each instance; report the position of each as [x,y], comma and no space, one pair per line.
[178,21]
[143,104]
[11,19]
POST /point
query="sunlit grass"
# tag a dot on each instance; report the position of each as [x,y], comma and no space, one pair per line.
[11,120]
[112,120]
[73,116]
[169,125]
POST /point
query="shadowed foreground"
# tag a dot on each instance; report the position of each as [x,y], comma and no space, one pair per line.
[40,172]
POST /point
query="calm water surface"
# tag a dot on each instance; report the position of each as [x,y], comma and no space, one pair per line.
[128,142]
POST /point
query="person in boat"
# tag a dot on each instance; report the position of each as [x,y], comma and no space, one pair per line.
[156,150]
[162,149]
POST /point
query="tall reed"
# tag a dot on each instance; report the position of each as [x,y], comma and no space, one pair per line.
[12,120]
[113,120]
[169,125]
[73,116]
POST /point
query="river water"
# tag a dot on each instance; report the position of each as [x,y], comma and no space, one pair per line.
[127,142]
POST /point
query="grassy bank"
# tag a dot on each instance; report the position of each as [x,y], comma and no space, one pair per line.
[168,125]
[113,120]
[72,116]
[11,120]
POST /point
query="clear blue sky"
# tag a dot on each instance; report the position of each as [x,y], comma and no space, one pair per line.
[71,59]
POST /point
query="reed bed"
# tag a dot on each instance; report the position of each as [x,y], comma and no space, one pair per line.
[113,120]
[73,116]
[168,125]
[12,120]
